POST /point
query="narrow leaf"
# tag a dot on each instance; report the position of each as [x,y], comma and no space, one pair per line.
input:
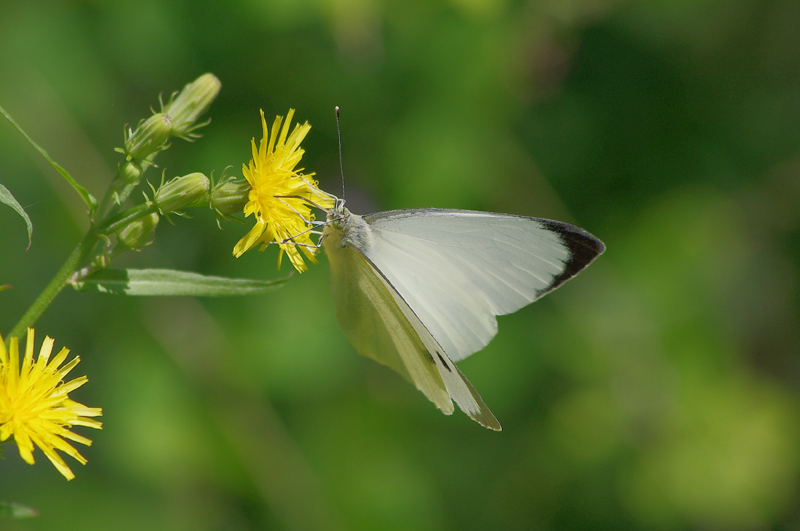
[166,282]
[90,201]
[8,199]
[15,510]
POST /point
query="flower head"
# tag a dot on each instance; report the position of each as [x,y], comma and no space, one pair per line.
[34,406]
[279,194]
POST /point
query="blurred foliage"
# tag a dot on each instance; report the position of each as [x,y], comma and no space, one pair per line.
[659,390]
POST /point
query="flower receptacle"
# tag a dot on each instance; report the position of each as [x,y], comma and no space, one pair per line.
[229,197]
[182,192]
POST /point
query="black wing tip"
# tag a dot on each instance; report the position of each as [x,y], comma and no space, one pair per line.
[583,246]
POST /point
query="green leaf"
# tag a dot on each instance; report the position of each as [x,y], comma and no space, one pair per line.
[155,282]
[90,201]
[8,199]
[15,510]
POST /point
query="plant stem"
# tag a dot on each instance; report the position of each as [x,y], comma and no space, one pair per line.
[111,225]
[118,192]
[60,280]
[108,199]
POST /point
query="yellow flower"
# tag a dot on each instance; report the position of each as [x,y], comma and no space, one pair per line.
[34,406]
[279,194]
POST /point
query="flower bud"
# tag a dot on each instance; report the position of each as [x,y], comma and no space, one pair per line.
[181,192]
[149,137]
[193,101]
[101,261]
[139,233]
[229,197]
[131,172]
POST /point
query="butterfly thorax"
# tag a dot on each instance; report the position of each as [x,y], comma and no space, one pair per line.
[343,229]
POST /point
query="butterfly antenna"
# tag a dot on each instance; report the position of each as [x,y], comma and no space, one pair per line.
[339,134]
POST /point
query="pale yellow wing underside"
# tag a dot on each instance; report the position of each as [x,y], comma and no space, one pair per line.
[378,328]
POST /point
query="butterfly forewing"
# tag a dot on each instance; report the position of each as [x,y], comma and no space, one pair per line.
[459,269]
[456,384]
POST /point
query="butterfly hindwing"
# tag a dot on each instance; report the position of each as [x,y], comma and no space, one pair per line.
[378,328]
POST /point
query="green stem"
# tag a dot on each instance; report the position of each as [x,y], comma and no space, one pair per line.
[108,199]
[60,280]
[119,191]
[112,225]
[73,263]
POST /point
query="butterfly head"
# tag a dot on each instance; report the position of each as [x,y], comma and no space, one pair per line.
[337,216]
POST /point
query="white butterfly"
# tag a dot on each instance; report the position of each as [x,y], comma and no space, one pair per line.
[419,289]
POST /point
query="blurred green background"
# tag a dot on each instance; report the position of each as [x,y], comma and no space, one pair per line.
[658,390]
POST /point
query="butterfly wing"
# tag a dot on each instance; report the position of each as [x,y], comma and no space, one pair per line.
[377,326]
[458,269]
[456,384]
[382,326]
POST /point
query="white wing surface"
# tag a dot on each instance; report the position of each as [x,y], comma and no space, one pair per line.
[382,326]
[458,269]
[456,384]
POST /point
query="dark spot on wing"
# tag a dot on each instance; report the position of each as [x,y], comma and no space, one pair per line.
[446,366]
[583,248]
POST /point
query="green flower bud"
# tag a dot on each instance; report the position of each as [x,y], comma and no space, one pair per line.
[131,172]
[193,101]
[229,197]
[149,137]
[139,233]
[101,261]
[181,192]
